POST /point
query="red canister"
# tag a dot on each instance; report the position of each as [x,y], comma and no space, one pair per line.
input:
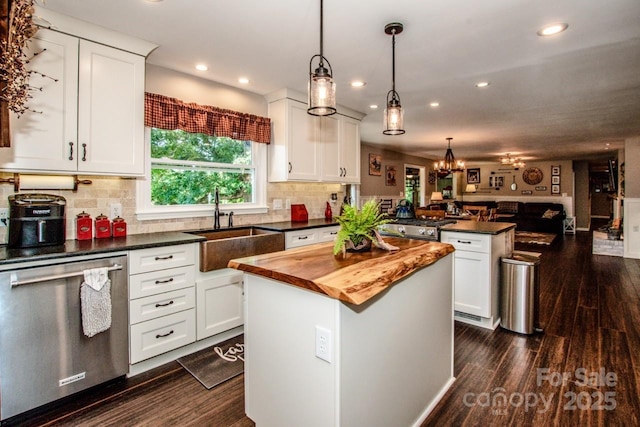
[119,227]
[103,226]
[84,226]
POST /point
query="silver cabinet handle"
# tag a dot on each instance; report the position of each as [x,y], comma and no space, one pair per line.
[15,282]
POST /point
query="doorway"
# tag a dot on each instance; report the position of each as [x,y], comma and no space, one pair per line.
[414,184]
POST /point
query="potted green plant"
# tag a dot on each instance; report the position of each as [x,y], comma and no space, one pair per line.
[357,227]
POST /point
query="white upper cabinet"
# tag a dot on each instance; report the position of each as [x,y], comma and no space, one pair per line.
[46,138]
[311,148]
[340,147]
[110,111]
[88,113]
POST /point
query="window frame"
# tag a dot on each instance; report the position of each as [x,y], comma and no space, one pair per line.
[145,210]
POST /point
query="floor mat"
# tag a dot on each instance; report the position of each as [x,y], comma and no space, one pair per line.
[532,237]
[217,364]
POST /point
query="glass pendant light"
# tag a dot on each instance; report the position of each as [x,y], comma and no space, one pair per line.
[393,114]
[322,88]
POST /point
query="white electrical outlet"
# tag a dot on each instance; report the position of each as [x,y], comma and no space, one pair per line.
[324,344]
[277,204]
[115,210]
[287,204]
[4,217]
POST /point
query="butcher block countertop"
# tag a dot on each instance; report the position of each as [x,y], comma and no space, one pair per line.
[354,279]
[481,227]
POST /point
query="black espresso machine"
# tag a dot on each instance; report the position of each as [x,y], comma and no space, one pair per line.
[36,220]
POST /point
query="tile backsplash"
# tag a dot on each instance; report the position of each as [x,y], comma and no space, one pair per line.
[95,199]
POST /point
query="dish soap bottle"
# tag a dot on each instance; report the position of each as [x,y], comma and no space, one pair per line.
[327,212]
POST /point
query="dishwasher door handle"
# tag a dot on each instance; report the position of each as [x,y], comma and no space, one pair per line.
[15,282]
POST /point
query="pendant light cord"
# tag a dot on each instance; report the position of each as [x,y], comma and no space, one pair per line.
[321,64]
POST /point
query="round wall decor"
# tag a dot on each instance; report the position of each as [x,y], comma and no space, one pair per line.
[532,176]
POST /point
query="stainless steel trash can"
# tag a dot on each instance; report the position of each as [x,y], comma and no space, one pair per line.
[519,295]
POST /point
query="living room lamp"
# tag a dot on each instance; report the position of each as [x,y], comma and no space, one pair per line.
[436,196]
[449,164]
[393,114]
[322,88]
[470,188]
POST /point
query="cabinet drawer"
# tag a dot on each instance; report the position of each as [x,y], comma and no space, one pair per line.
[156,282]
[143,309]
[295,239]
[163,334]
[474,242]
[328,234]
[151,259]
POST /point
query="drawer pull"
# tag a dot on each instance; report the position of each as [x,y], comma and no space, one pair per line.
[165,304]
[164,281]
[333,233]
[466,242]
[160,258]
[164,335]
[303,237]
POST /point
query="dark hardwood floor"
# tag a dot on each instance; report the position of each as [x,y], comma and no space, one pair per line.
[590,312]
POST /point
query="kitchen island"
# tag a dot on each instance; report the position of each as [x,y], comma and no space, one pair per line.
[366,340]
[479,249]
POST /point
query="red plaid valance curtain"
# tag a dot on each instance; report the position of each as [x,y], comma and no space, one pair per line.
[169,113]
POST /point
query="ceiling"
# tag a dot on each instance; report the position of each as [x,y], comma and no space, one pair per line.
[561,97]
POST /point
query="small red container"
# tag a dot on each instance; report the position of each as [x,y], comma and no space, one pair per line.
[119,227]
[299,213]
[103,226]
[84,226]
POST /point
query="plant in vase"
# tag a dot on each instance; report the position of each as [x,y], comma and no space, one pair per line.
[358,228]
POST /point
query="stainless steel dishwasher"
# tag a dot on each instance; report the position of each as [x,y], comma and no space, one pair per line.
[45,354]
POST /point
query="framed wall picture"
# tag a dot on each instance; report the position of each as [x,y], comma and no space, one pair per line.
[499,181]
[555,189]
[555,179]
[375,164]
[473,176]
[555,170]
[541,188]
[390,173]
[432,177]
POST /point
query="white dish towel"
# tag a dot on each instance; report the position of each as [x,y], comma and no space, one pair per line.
[95,301]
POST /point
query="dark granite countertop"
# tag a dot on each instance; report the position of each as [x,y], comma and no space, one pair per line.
[96,246]
[293,226]
[479,227]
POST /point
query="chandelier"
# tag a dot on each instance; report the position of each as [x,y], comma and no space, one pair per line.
[393,114]
[449,164]
[514,162]
[322,88]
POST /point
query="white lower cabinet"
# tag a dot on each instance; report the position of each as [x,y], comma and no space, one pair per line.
[295,239]
[219,297]
[476,274]
[162,300]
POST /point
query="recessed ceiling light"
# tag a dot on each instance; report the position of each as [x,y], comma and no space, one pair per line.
[373,106]
[550,30]
[482,84]
[201,67]
[243,80]
[357,83]
[435,104]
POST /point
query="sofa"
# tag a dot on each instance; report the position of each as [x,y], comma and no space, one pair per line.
[530,216]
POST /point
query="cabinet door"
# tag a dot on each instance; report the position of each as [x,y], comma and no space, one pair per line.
[472,282]
[111,110]
[45,139]
[328,131]
[350,150]
[301,145]
[219,305]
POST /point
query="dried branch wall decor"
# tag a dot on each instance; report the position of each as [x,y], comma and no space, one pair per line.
[13,71]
